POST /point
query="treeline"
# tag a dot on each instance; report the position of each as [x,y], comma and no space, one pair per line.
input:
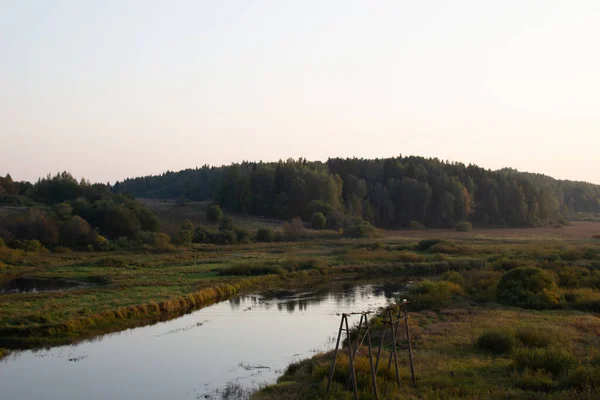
[64,212]
[393,192]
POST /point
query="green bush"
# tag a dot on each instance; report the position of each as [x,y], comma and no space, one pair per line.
[318,221]
[162,242]
[226,223]
[363,230]
[202,234]
[496,342]
[265,235]
[464,226]
[187,225]
[32,246]
[426,244]
[584,377]
[293,230]
[225,237]
[537,381]
[428,293]
[214,214]
[528,287]
[242,235]
[184,237]
[556,361]
[533,338]
[250,269]
[114,262]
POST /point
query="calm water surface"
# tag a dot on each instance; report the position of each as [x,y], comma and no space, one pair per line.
[248,340]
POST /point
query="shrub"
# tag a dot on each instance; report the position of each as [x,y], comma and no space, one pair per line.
[409,256]
[318,221]
[436,294]
[226,223]
[32,246]
[184,237]
[76,232]
[214,214]
[265,235]
[114,262]
[187,225]
[496,342]
[225,237]
[242,235]
[553,360]
[335,220]
[584,377]
[533,338]
[454,277]
[202,234]
[464,226]
[162,242]
[571,276]
[426,244]
[528,287]
[363,230]
[537,381]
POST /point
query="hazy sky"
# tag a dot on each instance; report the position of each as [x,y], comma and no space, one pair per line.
[114,89]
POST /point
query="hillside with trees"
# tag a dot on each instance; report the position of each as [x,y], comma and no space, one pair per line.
[389,193]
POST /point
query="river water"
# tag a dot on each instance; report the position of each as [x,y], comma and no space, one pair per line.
[247,341]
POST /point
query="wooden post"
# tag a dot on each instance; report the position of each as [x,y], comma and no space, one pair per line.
[373,372]
[337,345]
[394,349]
[351,352]
[410,355]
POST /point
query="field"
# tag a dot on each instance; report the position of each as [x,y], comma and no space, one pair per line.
[456,299]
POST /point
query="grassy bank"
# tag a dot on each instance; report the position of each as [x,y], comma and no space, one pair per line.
[552,354]
[131,288]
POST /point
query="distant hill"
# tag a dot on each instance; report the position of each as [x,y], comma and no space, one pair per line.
[391,192]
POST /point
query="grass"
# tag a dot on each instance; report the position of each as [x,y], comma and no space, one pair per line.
[454,304]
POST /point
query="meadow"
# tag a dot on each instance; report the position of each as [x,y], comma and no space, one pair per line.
[455,301]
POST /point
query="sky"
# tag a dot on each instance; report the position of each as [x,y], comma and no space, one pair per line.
[116,89]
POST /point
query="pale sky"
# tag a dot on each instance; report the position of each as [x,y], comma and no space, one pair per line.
[116,89]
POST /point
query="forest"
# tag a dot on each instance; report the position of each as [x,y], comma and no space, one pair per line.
[389,193]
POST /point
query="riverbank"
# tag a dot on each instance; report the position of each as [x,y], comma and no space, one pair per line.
[136,288]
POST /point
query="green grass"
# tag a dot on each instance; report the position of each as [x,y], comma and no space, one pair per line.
[454,304]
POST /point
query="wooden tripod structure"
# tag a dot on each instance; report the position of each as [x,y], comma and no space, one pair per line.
[364,333]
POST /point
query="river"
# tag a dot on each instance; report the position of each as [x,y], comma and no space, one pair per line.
[243,342]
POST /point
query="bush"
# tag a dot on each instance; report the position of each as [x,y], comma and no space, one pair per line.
[571,276]
[426,244]
[203,234]
[214,214]
[62,211]
[32,246]
[537,381]
[184,237]
[225,237]
[436,294]
[162,242]
[61,250]
[318,221]
[527,287]
[187,225]
[584,377]
[533,338]
[114,262]
[464,226]
[265,235]
[496,342]
[226,223]
[364,230]
[553,360]
[242,235]
[409,256]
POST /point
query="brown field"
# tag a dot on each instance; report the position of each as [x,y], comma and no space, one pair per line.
[577,230]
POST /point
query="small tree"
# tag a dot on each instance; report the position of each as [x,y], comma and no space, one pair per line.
[187,225]
[318,221]
[265,235]
[214,214]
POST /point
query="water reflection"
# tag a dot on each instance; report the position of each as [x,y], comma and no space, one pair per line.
[248,340]
[37,285]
